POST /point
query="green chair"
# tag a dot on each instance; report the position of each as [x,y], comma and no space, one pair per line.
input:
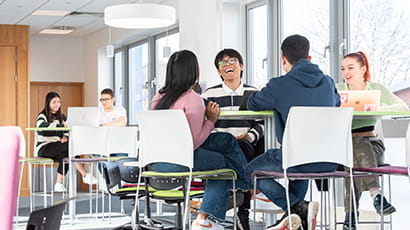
[165,136]
[34,164]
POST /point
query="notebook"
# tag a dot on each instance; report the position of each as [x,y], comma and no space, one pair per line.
[360,100]
[83,116]
[245,97]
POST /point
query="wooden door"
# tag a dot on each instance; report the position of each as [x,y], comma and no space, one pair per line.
[8,86]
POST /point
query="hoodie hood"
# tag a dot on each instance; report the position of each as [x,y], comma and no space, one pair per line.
[307,73]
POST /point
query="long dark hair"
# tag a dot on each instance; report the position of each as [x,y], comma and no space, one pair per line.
[47,111]
[182,73]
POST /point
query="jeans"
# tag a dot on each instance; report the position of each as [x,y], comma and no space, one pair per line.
[99,165]
[272,161]
[220,150]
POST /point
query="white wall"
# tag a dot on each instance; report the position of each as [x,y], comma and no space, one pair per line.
[82,59]
[57,59]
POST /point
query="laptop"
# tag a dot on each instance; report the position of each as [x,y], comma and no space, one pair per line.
[245,97]
[83,116]
[360,100]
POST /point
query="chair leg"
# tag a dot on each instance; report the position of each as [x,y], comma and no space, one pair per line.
[44,186]
[18,192]
[30,186]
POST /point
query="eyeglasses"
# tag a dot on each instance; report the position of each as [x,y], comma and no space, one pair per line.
[230,61]
[105,99]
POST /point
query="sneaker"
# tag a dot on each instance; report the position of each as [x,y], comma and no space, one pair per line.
[307,212]
[387,207]
[283,223]
[89,179]
[102,185]
[206,224]
[350,223]
[263,203]
[242,221]
[239,199]
[59,187]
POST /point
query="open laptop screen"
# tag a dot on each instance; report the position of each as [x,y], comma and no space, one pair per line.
[245,97]
[83,116]
[360,100]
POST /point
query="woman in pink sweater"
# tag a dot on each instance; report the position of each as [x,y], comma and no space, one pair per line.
[212,150]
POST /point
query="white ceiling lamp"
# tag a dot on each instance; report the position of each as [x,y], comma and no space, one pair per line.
[139,16]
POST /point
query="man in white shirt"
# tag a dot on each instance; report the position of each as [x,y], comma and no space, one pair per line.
[111,115]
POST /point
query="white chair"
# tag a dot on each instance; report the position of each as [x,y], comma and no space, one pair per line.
[85,140]
[30,162]
[121,140]
[314,134]
[165,136]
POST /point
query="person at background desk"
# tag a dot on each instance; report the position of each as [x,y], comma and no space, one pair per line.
[304,84]
[228,94]
[211,150]
[111,115]
[54,144]
[368,149]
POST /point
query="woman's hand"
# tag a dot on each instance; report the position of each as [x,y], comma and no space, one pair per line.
[64,139]
[212,111]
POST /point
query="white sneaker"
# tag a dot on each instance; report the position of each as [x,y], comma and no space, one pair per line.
[206,224]
[59,187]
[102,185]
[263,203]
[89,179]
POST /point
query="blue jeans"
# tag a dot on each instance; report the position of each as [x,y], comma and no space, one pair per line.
[272,161]
[220,150]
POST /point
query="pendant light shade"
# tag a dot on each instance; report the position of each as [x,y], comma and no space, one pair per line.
[139,16]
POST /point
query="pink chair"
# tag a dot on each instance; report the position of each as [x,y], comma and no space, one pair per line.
[9,150]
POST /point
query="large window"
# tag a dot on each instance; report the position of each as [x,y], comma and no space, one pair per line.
[380,28]
[139,71]
[165,46]
[138,80]
[310,19]
[257,45]
[119,80]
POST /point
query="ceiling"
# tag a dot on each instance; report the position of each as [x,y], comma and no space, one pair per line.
[87,19]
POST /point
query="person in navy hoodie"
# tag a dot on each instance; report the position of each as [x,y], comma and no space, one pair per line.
[304,84]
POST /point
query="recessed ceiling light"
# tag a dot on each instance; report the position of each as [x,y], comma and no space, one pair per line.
[58,30]
[51,12]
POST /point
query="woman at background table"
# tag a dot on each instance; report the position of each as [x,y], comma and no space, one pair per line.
[54,144]
[212,151]
[368,148]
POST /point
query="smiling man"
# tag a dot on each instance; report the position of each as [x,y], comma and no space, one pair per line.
[228,95]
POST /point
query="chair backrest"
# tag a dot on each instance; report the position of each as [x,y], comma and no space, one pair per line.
[129,174]
[47,218]
[9,150]
[112,173]
[165,136]
[318,134]
[88,140]
[123,140]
